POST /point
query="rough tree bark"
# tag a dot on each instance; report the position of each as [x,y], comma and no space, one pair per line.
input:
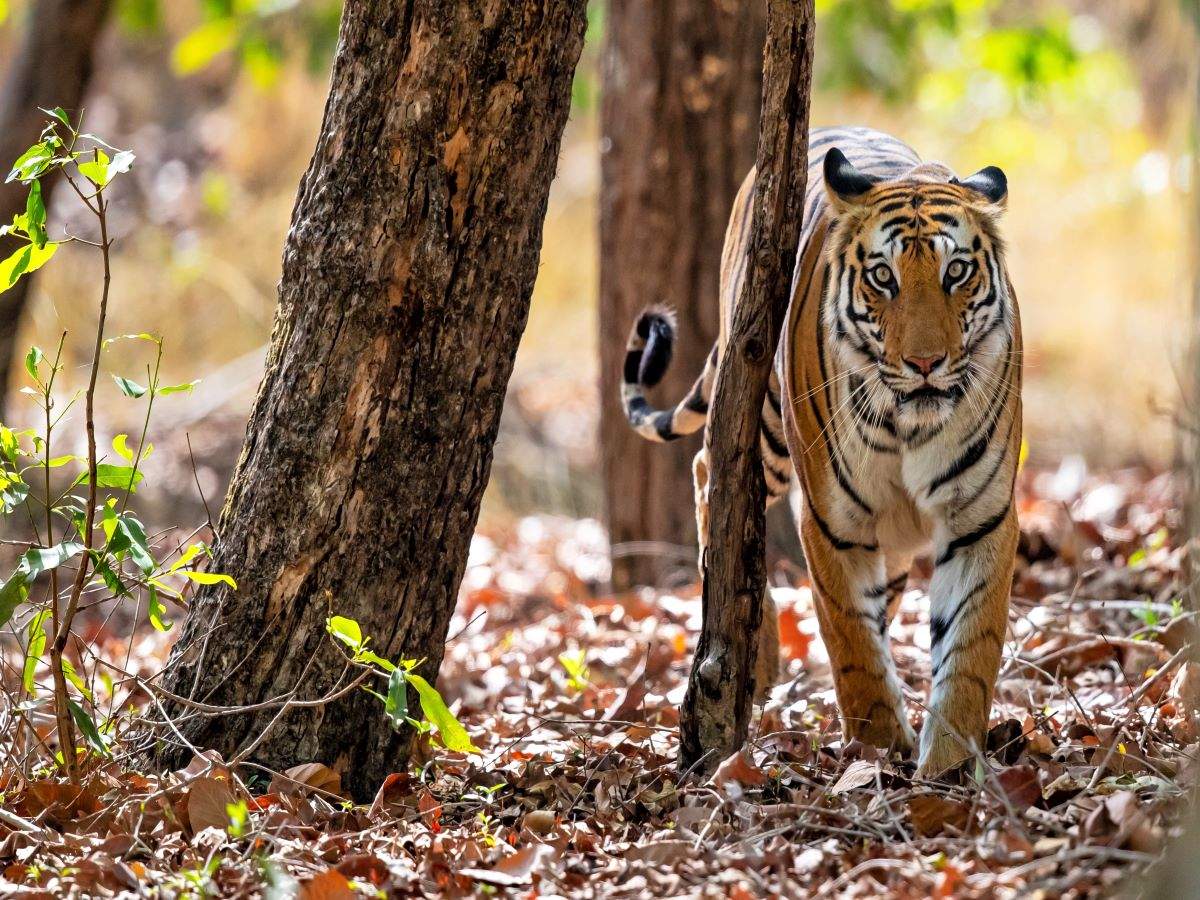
[679,117]
[717,705]
[51,67]
[406,282]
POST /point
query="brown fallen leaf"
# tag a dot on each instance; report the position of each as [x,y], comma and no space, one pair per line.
[1020,785]
[661,853]
[431,810]
[738,769]
[328,885]
[540,821]
[389,799]
[305,779]
[931,814]
[516,869]
[206,802]
[858,774]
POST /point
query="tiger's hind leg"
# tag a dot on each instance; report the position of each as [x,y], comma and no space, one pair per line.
[767,662]
[853,596]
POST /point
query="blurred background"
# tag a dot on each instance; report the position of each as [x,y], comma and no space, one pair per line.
[1088,105]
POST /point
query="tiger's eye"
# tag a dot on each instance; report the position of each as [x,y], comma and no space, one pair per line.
[882,275]
[956,270]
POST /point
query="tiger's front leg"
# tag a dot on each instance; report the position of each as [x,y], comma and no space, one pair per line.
[968,617]
[852,593]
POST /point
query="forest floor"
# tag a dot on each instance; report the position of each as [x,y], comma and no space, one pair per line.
[573,696]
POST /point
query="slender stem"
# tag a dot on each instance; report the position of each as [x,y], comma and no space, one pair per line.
[137,458]
[47,405]
[66,729]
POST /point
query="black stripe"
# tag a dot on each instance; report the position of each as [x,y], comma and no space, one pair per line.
[939,626]
[975,451]
[633,362]
[960,543]
[664,424]
[778,447]
[837,542]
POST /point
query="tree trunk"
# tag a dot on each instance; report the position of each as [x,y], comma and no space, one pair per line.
[51,67]
[406,282]
[717,704]
[679,116]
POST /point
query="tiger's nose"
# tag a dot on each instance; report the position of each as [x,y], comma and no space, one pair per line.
[924,364]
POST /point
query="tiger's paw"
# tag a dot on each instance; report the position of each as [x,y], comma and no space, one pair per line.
[942,756]
[887,732]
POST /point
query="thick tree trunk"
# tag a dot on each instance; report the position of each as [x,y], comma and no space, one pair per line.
[51,67]
[679,116]
[406,283]
[717,705]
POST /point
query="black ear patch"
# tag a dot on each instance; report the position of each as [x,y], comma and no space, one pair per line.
[843,179]
[991,182]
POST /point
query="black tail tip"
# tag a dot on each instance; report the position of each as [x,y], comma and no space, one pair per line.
[657,328]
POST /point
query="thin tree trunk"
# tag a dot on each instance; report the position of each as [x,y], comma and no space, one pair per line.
[717,704]
[51,67]
[406,282]
[679,116]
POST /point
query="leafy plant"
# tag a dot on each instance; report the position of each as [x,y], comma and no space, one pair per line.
[85,541]
[400,677]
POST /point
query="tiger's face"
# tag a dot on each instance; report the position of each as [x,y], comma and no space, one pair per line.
[917,303]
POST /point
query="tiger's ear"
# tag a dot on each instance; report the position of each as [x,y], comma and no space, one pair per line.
[844,183]
[991,183]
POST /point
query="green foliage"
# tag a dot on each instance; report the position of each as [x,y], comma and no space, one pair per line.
[255,33]
[400,676]
[949,55]
[85,540]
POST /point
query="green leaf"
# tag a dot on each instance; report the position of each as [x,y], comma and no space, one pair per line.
[13,495]
[34,649]
[176,388]
[56,461]
[186,557]
[43,559]
[204,44]
[95,170]
[157,611]
[87,727]
[129,388]
[371,657]
[345,630]
[121,444]
[112,580]
[32,163]
[143,336]
[12,594]
[72,676]
[9,445]
[449,729]
[139,546]
[58,112]
[24,260]
[109,475]
[35,215]
[209,578]
[396,704]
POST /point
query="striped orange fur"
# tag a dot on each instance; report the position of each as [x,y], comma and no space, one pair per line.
[897,402]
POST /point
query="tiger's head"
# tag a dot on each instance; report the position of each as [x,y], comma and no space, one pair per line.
[917,301]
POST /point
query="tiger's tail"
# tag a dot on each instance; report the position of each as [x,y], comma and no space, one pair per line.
[647,357]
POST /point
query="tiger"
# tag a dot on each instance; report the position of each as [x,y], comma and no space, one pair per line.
[895,401]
